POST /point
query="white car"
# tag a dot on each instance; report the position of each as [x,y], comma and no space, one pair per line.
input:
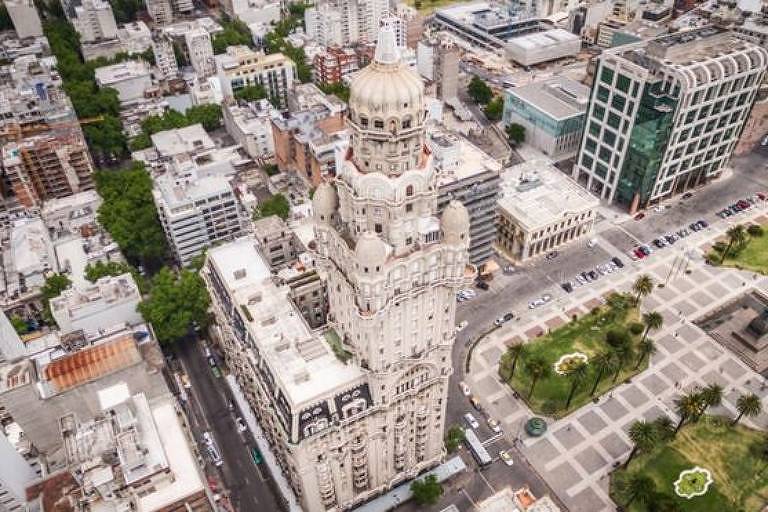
[494,425]
[241,427]
[461,325]
[471,421]
[592,243]
[546,297]
[469,293]
[464,388]
[506,457]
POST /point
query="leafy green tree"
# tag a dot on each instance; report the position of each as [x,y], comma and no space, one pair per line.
[665,428]
[338,89]
[748,405]
[737,235]
[208,115]
[100,269]
[618,337]
[53,286]
[427,490]
[276,205]
[453,438]
[271,170]
[251,93]
[126,10]
[19,325]
[537,367]
[755,231]
[576,375]
[515,134]
[642,287]
[644,436]
[128,213]
[494,109]
[235,33]
[479,91]
[175,304]
[106,138]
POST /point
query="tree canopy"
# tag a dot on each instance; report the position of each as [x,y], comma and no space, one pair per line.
[53,286]
[427,490]
[126,10]
[251,93]
[494,109]
[235,33]
[176,304]
[209,116]
[479,91]
[515,133]
[275,205]
[128,213]
[338,89]
[275,42]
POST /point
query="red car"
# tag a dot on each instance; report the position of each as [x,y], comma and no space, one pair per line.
[640,254]
[761,196]
[639,216]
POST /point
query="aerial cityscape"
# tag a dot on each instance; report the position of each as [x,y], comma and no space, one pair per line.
[383,255]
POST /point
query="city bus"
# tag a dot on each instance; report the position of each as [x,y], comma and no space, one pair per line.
[476,447]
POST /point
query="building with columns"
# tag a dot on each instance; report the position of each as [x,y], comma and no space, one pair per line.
[357,409]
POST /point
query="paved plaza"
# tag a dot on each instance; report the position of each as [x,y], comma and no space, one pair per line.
[577,453]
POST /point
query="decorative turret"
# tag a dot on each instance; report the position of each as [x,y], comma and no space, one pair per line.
[455,223]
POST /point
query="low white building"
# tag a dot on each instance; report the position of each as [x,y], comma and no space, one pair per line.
[543,47]
[251,127]
[135,37]
[541,209]
[30,256]
[109,302]
[130,79]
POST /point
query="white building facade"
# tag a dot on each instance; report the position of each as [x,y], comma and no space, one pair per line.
[95,21]
[25,18]
[348,432]
[200,52]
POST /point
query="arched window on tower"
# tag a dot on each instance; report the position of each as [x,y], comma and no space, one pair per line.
[409,191]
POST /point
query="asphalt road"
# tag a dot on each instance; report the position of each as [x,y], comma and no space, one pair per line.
[208,407]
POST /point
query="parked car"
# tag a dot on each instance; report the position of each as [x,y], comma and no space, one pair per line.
[494,425]
[506,457]
[592,243]
[471,421]
[617,261]
[687,195]
[461,325]
[552,255]
[567,287]
[482,285]
[241,426]
[639,216]
[464,388]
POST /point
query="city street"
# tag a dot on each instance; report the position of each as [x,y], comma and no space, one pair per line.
[208,407]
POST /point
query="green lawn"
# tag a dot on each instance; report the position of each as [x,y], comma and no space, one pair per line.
[586,335]
[754,255]
[739,480]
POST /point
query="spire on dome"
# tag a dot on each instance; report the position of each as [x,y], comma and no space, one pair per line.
[386,45]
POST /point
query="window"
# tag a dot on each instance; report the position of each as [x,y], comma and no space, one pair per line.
[606,76]
[609,137]
[613,120]
[364,122]
[378,123]
[377,227]
[602,94]
[622,83]
[409,190]
[619,102]
[598,112]
[409,207]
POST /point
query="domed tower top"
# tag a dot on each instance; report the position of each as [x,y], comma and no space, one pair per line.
[386,111]
[325,202]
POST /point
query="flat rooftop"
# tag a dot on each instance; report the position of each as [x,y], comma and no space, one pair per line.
[540,40]
[301,360]
[121,71]
[559,96]
[536,194]
[456,158]
[687,47]
[189,139]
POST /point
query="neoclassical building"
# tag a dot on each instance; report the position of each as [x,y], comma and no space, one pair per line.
[345,429]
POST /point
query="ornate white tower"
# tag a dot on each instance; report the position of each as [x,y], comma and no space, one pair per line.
[394,269]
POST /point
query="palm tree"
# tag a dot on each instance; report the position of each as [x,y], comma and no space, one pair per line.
[665,428]
[638,487]
[687,407]
[577,374]
[645,348]
[711,396]
[621,356]
[736,236]
[748,405]
[642,286]
[602,363]
[652,320]
[538,367]
[514,352]
[644,436]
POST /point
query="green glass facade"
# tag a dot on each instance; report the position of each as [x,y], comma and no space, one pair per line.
[647,144]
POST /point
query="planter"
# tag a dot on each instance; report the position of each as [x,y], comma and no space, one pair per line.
[693,482]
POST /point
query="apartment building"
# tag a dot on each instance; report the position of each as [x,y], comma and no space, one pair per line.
[241,67]
[250,124]
[467,174]
[552,111]
[45,167]
[323,25]
[131,79]
[25,18]
[160,11]
[196,210]
[331,65]
[200,52]
[437,60]
[277,242]
[165,57]
[664,116]
[95,21]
